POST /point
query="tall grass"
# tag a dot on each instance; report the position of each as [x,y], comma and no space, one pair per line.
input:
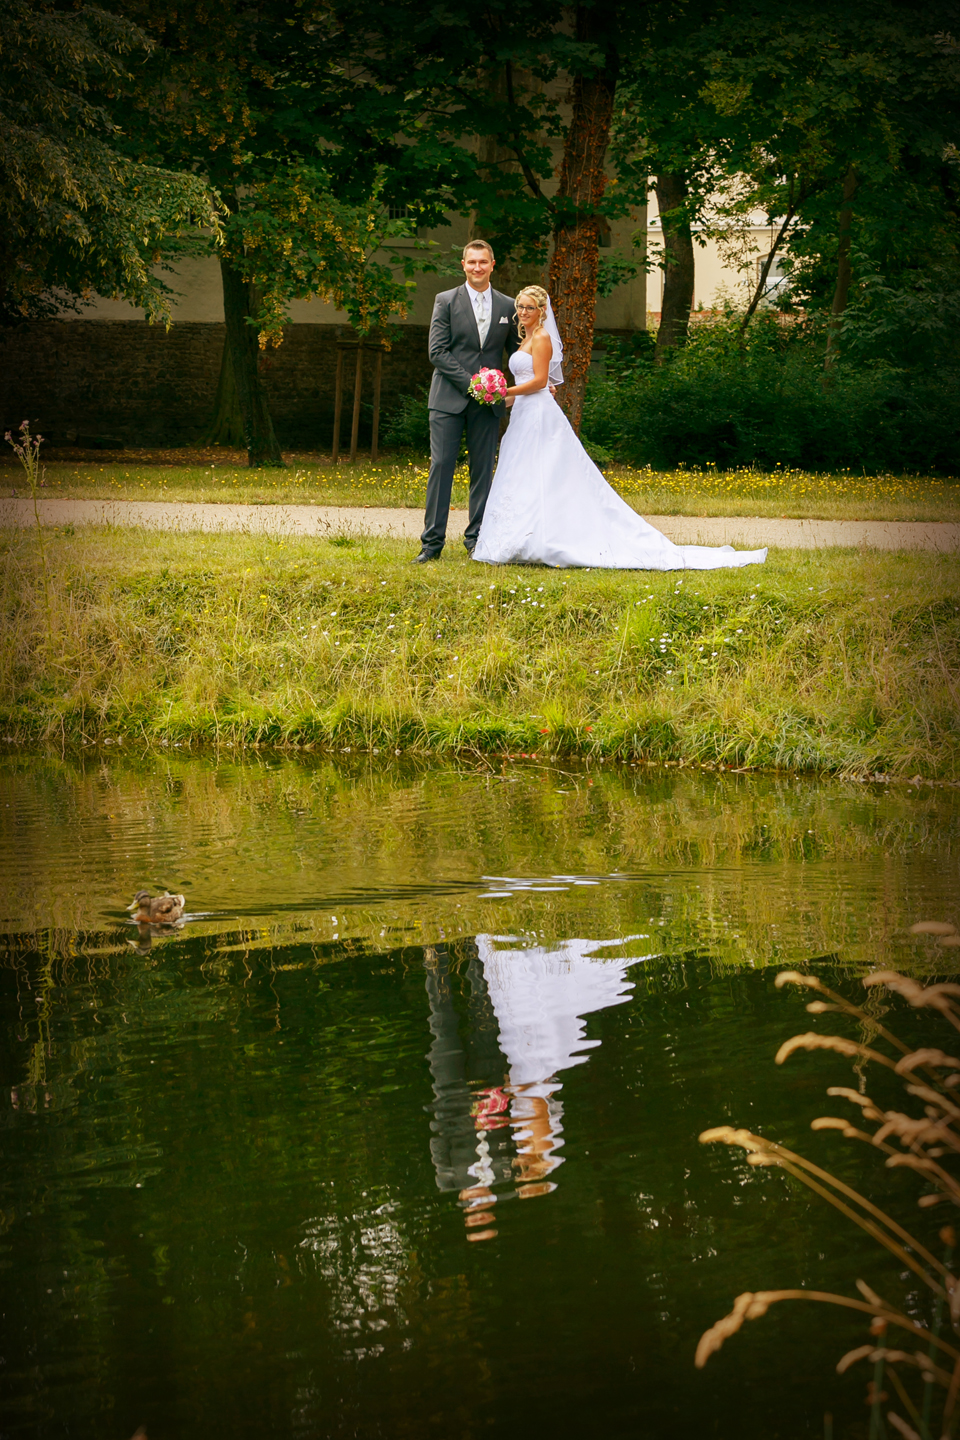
[923,1378]
[821,661]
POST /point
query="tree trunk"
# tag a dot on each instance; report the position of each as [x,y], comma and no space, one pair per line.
[238,303]
[678,266]
[226,427]
[844,273]
[494,160]
[573,267]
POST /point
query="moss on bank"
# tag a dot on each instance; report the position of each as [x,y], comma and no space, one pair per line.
[823,661]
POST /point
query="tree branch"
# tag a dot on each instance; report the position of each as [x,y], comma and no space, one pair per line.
[767,264]
[528,175]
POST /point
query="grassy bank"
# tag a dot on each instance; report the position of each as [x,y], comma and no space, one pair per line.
[828,661]
[402,482]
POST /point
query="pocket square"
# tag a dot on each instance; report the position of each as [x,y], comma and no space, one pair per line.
[504,320]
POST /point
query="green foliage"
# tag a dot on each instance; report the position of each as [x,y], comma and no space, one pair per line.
[770,107]
[908,318]
[407,426]
[630,355]
[293,239]
[762,401]
[598,453]
[613,271]
[249,100]
[75,212]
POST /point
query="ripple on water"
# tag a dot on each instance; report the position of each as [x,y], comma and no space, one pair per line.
[272,1172]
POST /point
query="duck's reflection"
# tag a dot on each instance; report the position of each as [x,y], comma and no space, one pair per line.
[147,933]
[505,1023]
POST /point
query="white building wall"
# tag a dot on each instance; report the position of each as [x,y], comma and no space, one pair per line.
[718,280]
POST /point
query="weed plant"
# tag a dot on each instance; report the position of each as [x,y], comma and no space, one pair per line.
[821,661]
[26,447]
[923,1377]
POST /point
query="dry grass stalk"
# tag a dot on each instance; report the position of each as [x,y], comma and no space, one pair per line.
[921,1142]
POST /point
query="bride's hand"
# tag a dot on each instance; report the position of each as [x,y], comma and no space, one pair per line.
[509,401]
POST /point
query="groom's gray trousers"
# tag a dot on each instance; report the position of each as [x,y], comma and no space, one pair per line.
[482,423]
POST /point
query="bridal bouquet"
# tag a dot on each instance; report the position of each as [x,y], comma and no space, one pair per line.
[488,386]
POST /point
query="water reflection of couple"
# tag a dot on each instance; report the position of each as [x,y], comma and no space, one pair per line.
[495,1058]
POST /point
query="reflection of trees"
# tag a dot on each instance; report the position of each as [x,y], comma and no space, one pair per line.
[254,1077]
[263,835]
[285,1230]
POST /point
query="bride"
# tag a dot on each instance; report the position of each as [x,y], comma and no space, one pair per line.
[548,502]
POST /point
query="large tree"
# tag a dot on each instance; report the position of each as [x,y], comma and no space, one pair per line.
[248,96]
[76,212]
[481,98]
[833,122]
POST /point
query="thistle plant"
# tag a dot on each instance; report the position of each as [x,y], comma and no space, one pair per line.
[27,451]
[922,1143]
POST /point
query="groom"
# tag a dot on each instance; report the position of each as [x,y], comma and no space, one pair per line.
[470,328]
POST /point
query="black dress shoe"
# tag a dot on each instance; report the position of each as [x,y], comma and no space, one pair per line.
[470,549]
[424,556]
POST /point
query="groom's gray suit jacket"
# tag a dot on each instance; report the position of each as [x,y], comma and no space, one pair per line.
[454,345]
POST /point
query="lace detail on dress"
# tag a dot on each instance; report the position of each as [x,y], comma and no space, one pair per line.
[501,522]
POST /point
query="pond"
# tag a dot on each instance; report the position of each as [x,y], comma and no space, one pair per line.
[397,1134]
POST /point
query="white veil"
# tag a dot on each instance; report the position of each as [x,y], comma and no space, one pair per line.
[556,359]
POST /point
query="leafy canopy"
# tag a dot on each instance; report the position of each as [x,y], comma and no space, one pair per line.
[76,212]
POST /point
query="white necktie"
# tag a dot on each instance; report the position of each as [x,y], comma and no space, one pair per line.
[483,318]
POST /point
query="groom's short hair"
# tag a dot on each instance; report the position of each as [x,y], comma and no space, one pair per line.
[479,245]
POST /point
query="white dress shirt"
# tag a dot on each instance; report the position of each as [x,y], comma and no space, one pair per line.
[482,301]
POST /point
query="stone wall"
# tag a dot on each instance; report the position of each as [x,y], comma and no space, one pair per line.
[125,383]
[107,382]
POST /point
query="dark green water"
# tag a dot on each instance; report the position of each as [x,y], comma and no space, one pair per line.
[245,1165]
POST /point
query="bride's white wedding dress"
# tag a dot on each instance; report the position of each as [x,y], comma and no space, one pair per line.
[549,504]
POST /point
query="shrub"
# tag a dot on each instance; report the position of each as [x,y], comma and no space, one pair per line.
[764,402]
[407,427]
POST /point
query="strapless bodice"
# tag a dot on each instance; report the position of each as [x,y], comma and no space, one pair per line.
[521,367]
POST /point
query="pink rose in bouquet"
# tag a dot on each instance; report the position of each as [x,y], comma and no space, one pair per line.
[488,387]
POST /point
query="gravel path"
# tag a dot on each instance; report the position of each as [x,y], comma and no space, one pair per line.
[745,532]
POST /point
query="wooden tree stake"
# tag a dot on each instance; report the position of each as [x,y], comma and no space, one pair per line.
[376,403]
[337,405]
[355,428]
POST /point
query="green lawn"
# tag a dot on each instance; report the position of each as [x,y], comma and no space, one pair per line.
[400,481]
[832,660]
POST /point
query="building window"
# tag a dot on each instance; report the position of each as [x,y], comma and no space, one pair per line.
[776,278]
[398,212]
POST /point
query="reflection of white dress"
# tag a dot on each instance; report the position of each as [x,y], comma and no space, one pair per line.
[539,998]
[549,504]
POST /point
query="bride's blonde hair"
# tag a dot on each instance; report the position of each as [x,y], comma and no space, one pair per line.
[539,297]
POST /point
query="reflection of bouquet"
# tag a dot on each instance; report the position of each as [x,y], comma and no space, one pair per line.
[489,1106]
[488,386]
